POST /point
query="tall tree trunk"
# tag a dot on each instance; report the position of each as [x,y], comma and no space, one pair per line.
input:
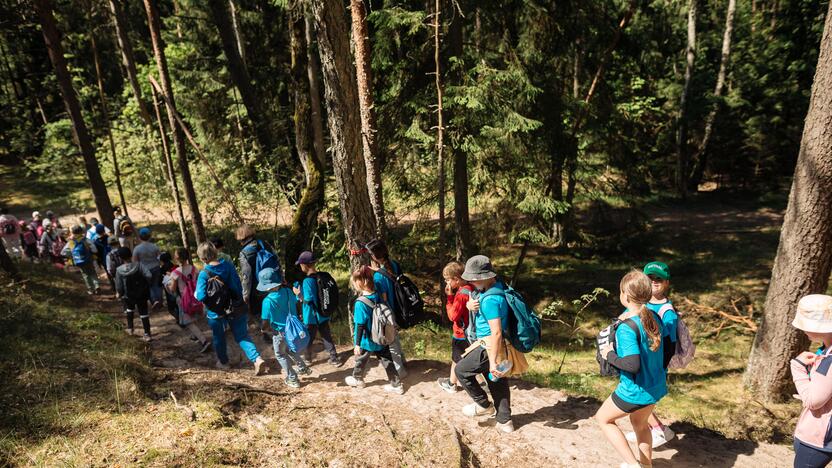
[804,257]
[239,74]
[344,124]
[154,24]
[701,157]
[462,221]
[314,72]
[305,219]
[682,137]
[105,112]
[364,80]
[440,124]
[174,186]
[51,37]
[238,38]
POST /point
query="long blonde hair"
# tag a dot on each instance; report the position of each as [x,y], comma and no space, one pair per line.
[636,285]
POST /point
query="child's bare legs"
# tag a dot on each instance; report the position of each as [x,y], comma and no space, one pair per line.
[452,379]
[644,436]
[606,416]
[654,421]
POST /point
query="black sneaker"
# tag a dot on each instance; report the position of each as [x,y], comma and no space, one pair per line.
[305,371]
[335,362]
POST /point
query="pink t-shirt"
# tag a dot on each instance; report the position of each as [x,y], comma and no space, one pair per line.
[814,388]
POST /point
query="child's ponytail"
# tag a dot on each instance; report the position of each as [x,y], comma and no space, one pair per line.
[636,285]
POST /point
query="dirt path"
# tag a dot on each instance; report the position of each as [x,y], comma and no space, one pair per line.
[552,429]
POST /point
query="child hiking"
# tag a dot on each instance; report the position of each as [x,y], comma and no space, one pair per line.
[457,293]
[181,285]
[372,320]
[81,252]
[10,232]
[218,288]
[313,316]
[491,311]
[384,268]
[638,355]
[148,254]
[28,241]
[133,287]
[278,305]
[254,256]
[123,229]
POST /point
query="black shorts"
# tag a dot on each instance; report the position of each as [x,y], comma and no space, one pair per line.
[624,406]
[458,348]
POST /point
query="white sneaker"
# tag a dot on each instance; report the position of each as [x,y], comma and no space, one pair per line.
[259,366]
[507,427]
[473,410]
[398,389]
[630,465]
[660,436]
[353,382]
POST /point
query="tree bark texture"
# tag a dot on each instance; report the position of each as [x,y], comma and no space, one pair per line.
[462,221]
[440,129]
[344,125]
[682,137]
[804,256]
[52,38]
[178,139]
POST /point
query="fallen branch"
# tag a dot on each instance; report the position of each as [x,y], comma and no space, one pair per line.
[190,413]
[744,320]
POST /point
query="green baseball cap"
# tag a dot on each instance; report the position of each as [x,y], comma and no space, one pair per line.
[657,269]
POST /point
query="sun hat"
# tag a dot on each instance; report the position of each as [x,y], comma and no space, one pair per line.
[478,268]
[268,279]
[657,269]
[36,214]
[305,258]
[814,314]
[46,223]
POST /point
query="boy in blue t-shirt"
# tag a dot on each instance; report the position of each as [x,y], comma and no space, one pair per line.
[307,294]
[277,305]
[385,270]
[491,323]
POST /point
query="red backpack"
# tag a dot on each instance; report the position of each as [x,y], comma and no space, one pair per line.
[190,305]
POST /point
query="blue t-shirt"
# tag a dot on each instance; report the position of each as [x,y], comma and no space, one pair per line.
[385,287]
[363,315]
[493,305]
[228,275]
[669,319]
[277,306]
[309,293]
[649,385]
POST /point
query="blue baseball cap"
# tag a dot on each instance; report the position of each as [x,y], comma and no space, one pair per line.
[305,258]
[144,232]
[268,279]
[99,229]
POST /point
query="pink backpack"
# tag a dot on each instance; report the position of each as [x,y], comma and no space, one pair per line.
[190,305]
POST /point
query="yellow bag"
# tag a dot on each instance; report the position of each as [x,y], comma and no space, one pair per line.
[519,364]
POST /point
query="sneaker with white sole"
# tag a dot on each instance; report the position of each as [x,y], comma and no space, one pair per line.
[445,384]
[353,382]
[660,436]
[305,371]
[259,366]
[205,346]
[507,427]
[397,389]
[293,383]
[474,410]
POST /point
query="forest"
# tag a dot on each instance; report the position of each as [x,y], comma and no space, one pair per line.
[569,141]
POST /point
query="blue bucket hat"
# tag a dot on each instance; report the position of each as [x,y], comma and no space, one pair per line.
[268,279]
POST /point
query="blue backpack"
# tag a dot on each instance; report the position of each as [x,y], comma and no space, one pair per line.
[523,323]
[296,335]
[265,259]
[81,253]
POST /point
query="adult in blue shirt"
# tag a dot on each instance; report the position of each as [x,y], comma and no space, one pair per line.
[386,270]
[277,305]
[307,294]
[491,322]
[236,321]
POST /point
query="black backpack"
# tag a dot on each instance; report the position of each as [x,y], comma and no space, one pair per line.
[607,335]
[327,293]
[136,287]
[217,296]
[410,308]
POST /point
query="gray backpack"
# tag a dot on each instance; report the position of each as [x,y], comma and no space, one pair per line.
[383,323]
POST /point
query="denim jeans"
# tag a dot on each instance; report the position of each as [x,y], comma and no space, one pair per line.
[283,355]
[239,328]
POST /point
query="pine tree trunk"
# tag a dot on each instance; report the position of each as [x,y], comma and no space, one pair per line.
[314,72]
[440,129]
[682,138]
[178,138]
[344,124]
[240,76]
[174,186]
[462,221]
[305,219]
[105,112]
[701,158]
[804,257]
[364,80]
[51,37]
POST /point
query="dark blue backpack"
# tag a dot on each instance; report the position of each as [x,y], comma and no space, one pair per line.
[81,253]
[265,259]
[523,323]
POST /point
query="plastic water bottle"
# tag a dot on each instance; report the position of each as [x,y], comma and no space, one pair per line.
[502,368]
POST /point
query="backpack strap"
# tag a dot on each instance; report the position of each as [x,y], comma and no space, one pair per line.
[664,308]
[387,274]
[366,301]
[632,324]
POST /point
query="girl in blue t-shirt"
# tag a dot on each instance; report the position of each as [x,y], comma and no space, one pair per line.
[642,377]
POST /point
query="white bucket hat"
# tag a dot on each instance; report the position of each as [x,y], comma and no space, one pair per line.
[814,314]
